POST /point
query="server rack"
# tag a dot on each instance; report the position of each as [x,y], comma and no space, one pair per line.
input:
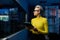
[51,13]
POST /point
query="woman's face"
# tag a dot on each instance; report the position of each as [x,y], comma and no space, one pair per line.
[36,11]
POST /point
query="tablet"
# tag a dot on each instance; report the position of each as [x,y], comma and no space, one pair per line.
[28,24]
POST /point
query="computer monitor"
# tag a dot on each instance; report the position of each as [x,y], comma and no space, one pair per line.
[4,13]
[4,17]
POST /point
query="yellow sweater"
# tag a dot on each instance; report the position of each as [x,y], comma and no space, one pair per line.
[40,24]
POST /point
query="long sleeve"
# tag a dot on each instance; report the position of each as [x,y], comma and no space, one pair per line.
[40,24]
[45,27]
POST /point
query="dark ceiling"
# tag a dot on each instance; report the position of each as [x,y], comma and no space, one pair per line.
[26,3]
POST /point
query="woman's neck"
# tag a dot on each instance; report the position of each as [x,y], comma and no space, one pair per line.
[38,16]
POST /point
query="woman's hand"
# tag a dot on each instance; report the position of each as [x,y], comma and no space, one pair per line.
[35,29]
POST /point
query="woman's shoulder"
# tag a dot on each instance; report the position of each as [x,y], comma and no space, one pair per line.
[44,18]
[33,19]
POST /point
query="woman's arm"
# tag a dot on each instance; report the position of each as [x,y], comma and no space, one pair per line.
[45,27]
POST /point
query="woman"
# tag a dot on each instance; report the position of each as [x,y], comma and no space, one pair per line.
[40,25]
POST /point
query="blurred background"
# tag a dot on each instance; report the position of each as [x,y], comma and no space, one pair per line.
[15,12]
